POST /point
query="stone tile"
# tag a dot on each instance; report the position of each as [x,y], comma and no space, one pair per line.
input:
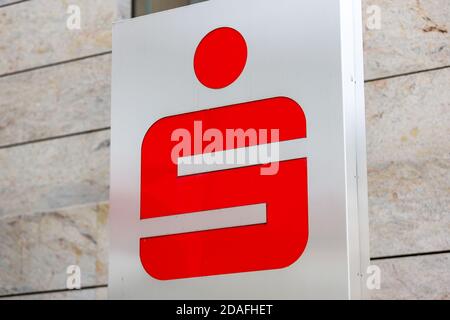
[409,163]
[5,2]
[123,9]
[54,101]
[84,294]
[34,33]
[422,277]
[408,117]
[36,249]
[409,208]
[43,176]
[414,36]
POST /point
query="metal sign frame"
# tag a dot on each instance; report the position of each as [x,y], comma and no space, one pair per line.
[310,51]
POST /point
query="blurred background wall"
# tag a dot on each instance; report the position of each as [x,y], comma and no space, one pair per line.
[54,146]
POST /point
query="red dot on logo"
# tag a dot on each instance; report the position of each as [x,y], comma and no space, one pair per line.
[220,58]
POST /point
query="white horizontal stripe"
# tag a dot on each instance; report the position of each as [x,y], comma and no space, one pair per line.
[281,151]
[203,220]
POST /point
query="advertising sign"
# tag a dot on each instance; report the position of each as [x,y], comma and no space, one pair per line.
[238,164]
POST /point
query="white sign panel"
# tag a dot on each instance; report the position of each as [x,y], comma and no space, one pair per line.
[238,152]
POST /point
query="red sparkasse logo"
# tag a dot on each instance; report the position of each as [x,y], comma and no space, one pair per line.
[276,243]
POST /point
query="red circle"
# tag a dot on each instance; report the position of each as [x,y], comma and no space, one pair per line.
[220,58]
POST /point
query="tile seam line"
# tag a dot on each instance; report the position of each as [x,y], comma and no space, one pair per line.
[406,74]
[9,74]
[69,135]
[24,294]
[13,3]
[410,255]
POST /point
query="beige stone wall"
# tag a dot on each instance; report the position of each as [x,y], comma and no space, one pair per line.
[407,68]
[54,147]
